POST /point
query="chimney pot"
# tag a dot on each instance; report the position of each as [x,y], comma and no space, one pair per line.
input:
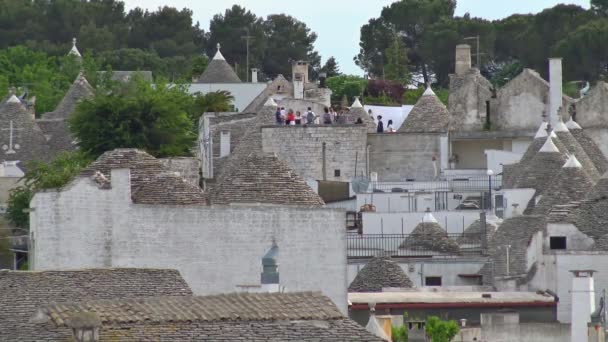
[85,326]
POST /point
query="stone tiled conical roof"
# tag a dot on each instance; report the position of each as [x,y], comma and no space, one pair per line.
[379,273]
[429,115]
[591,216]
[359,112]
[79,90]
[219,71]
[473,233]
[576,149]
[21,139]
[428,235]
[263,178]
[169,189]
[542,169]
[590,147]
[572,183]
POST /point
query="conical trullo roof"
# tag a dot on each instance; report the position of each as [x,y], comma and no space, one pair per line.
[379,273]
[589,146]
[428,235]
[74,50]
[473,233]
[79,90]
[576,149]
[219,71]
[572,183]
[429,115]
[358,112]
[511,173]
[543,168]
[21,139]
[591,217]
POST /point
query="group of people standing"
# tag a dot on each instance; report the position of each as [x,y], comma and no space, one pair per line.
[380,124]
[329,116]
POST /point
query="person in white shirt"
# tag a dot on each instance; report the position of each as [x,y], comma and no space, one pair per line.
[389,127]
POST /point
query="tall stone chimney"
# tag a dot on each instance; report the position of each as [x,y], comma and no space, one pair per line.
[463,59]
[85,326]
[583,303]
[555,90]
[270,273]
[254,75]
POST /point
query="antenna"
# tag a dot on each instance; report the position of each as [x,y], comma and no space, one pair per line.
[248,38]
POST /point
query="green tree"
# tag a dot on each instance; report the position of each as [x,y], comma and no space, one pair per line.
[600,7]
[215,101]
[42,176]
[411,19]
[229,30]
[400,334]
[199,64]
[397,68]
[136,114]
[331,68]
[585,51]
[376,37]
[347,86]
[441,331]
[288,39]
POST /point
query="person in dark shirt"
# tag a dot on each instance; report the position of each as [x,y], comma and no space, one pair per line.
[380,128]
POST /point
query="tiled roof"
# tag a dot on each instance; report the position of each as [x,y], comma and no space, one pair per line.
[143,166]
[429,115]
[359,112]
[430,236]
[28,141]
[151,183]
[58,134]
[570,184]
[80,89]
[473,233]
[23,292]
[591,215]
[169,189]
[304,316]
[264,178]
[517,232]
[592,150]
[219,71]
[541,169]
[576,149]
[379,273]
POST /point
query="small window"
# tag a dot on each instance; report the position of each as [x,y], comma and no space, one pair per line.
[336,173]
[557,242]
[432,281]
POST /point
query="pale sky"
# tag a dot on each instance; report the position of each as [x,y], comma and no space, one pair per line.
[337,22]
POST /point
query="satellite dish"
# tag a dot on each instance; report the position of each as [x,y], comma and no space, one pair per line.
[360,184]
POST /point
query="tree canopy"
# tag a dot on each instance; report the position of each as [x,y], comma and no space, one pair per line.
[430,32]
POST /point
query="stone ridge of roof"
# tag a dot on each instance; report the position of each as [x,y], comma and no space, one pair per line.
[224,307]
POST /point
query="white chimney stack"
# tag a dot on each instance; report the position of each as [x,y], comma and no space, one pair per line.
[254,75]
[583,304]
[555,89]
[224,144]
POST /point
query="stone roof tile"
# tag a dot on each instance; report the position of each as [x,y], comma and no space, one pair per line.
[429,115]
[218,71]
[80,90]
[430,236]
[169,189]
[23,292]
[379,273]
[592,149]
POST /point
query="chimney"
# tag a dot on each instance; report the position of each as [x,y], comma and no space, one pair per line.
[270,273]
[583,303]
[463,59]
[85,326]
[224,144]
[254,75]
[322,78]
[555,90]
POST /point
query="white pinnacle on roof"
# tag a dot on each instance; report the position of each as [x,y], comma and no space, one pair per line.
[549,146]
[573,162]
[218,54]
[13,99]
[542,131]
[74,51]
[571,124]
[429,218]
[270,103]
[357,103]
[553,135]
[560,127]
[428,91]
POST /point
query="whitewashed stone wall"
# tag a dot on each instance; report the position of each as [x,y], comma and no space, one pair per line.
[216,249]
[302,148]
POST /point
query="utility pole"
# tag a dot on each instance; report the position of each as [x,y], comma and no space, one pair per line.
[476,38]
[247,38]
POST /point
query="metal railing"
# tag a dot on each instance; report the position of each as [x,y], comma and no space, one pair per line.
[451,184]
[414,245]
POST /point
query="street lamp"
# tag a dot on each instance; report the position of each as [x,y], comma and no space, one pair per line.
[490,173]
